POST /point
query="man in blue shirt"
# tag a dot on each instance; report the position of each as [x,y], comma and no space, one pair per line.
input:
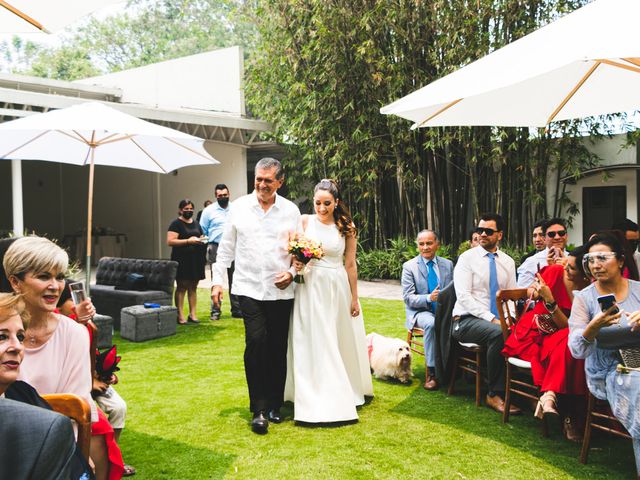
[213,220]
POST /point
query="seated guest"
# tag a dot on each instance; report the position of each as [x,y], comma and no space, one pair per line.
[591,340]
[109,401]
[555,232]
[544,344]
[56,356]
[422,279]
[474,239]
[479,274]
[34,429]
[629,269]
[631,233]
[538,240]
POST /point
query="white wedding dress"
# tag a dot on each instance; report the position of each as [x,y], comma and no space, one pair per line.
[328,371]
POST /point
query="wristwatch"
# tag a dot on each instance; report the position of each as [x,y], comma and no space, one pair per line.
[551,307]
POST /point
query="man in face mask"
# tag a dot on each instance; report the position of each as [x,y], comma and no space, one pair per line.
[213,220]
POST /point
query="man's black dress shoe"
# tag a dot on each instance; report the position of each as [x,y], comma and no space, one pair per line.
[259,423]
[274,416]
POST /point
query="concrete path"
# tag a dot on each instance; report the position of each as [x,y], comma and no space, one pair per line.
[384,289]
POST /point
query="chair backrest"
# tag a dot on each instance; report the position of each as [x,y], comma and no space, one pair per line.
[507,302]
[77,409]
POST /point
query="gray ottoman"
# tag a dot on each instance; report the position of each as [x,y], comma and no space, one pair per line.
[105,330]
[138,323]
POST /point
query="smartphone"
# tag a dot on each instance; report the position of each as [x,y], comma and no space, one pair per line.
[608,301]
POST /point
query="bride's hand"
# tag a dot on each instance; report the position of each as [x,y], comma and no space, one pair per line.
[297,264]
[355,308]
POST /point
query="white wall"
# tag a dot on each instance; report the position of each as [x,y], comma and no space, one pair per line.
[612,152]
[206,81]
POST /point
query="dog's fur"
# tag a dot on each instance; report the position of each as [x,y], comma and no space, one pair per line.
[389,358]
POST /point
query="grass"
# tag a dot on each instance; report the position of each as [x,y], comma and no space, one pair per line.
[188,419]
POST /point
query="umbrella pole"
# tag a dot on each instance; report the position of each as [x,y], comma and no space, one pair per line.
[89,221]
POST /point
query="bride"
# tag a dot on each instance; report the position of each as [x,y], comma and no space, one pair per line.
[327,365]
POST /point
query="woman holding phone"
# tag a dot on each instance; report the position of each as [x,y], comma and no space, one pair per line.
[597,334]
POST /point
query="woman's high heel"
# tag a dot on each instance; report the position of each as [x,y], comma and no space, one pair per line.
[543,408]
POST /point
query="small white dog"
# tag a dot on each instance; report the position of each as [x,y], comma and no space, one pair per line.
[389,358]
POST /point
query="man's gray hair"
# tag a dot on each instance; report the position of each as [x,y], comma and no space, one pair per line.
[267,163]
[425,231]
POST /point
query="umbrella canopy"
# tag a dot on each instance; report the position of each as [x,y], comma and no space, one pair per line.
[120,140]
[586,63]
[94,134]
[29,16]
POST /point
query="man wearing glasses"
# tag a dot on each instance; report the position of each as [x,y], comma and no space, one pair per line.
[477,277]
[555,236]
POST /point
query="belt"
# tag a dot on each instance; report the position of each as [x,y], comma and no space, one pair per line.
[214,243]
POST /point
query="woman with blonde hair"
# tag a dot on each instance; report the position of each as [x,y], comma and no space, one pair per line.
[56,356]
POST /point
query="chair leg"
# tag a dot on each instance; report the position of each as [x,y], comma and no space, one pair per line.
[454,371]
[409,337]
[586,440]
[507,393]
[478,377]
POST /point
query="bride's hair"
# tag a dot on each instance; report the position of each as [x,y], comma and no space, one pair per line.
[341,213]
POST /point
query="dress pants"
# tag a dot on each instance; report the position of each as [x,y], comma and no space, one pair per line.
[266,325]
[426,321]
[469,329]
[212,253]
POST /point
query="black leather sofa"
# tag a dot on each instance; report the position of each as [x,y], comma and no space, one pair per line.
[108,296]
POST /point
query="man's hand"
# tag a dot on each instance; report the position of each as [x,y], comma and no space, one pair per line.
[283,279]
[495,320]
[216,295]
[433,297]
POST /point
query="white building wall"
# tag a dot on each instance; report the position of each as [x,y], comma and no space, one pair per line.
[612,151]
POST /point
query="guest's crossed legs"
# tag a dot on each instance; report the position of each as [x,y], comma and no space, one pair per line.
[266,326]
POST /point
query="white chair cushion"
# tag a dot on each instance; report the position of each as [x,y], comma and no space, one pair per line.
[519,363]
[469,345]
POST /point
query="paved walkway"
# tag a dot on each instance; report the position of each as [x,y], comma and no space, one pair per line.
[384,289]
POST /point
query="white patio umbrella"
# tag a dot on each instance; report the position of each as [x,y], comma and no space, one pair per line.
[586,63]
[29,16]
[94,134]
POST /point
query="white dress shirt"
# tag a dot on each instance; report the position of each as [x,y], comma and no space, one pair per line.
[527,271]
[471,281]
[257,241]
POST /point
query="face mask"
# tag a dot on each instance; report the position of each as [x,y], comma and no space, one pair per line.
[223,202]
[187,214]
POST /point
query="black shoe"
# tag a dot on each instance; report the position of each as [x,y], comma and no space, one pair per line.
[259,424]
[275,416]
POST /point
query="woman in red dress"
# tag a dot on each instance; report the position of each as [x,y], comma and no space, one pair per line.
[554,370]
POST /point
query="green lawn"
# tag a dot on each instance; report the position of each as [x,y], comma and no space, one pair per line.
[188,419]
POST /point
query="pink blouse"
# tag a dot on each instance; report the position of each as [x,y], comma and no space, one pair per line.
[62,364]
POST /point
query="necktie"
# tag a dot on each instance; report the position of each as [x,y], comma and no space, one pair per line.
[493,283]
[432,281]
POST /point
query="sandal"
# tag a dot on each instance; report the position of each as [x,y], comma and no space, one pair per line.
[183,322]
[543,408]
[128,471]
[193,320]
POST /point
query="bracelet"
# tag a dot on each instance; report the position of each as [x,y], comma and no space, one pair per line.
[551,307]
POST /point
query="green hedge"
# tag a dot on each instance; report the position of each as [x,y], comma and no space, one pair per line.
[387,264]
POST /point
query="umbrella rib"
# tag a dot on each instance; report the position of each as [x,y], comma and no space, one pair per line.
[635,61]
[622,65]
[79,137]
[23,16]
[573,91]
[26,143]
[148,155]
[187,148]
[443,109]
[106,140]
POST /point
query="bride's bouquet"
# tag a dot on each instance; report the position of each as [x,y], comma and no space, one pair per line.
[305,250]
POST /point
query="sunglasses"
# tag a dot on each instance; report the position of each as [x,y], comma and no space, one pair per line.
[560,233]
[487,231]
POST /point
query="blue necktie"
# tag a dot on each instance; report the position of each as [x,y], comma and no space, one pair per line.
[493,283]
[432,281]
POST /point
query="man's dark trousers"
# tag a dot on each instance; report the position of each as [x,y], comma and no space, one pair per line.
[470,329]
[266,326]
